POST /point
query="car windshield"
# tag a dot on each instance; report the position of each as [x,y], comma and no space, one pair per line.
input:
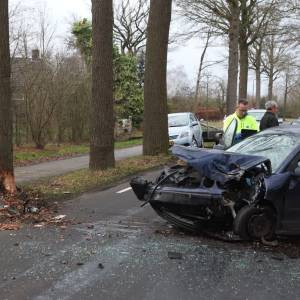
[275,147]
[256,114]
[178,120]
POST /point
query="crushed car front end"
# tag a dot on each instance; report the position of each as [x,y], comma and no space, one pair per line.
[206,187]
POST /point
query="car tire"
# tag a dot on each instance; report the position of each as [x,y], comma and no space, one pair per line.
[194,142]
[253,223]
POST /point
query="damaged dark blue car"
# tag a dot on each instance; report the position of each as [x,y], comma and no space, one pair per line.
[252,188]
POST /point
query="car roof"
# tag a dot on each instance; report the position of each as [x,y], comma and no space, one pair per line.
[180,114]
[282,129]
[256,110]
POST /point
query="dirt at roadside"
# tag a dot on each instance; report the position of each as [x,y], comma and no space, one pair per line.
[28,208]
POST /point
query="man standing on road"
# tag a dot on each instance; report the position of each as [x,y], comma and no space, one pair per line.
[269,119]
[244,121]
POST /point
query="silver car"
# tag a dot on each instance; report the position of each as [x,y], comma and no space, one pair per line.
[184,129]
[258,115]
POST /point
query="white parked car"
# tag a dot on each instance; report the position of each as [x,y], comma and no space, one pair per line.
[185,129]
[258,115]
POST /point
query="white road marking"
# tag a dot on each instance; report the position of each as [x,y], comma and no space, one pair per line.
[124,190]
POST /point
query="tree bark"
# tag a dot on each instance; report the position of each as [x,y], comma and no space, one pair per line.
[244,51]
[102,119]
[155,89]
[270,84]
[7,180]
[243,87]
[285,95]
[233,60]
[201,67]
[271,70]
[257,87]
[258,75]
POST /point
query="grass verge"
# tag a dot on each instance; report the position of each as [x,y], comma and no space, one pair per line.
[75,183]
[30,155]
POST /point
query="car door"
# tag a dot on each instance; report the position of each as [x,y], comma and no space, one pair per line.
[196,129]
[291,213]
[229,134]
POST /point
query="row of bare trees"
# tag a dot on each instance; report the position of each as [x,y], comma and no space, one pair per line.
[155,92]
[258,35]
[248,25]
[44,83]
[52,90]
[51,97]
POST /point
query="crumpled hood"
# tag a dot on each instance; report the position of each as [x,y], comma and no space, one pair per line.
[219,165]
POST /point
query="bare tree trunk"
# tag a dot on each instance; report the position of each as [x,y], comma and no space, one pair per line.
[102,120]
[258,75]
[233,61]
[244,52]
[201,66]
[243,87]
[285,95]
[155,90]
[270,84]
[7,179]
[257,87]
[271,70]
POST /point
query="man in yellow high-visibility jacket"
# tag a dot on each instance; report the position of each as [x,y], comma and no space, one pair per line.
[244,121]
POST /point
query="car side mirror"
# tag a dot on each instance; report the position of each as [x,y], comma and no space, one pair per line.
[218,136]
[297,171]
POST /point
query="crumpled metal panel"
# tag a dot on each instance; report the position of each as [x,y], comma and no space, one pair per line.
[219,165]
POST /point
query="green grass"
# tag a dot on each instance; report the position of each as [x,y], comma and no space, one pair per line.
[24,155]
[75,183]
[129,143]
[51,151]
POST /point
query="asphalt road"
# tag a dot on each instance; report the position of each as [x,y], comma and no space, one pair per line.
[52,168]
[118,250]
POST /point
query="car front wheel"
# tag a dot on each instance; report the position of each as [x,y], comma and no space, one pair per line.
[194,142]
[253,223]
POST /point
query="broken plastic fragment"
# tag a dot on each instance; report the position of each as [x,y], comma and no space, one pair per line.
[59,217]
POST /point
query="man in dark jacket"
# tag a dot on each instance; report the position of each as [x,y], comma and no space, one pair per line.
[269,119]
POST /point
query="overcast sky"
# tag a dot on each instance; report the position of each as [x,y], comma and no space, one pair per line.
[184,56]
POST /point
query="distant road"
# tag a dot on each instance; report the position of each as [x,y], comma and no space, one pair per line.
[58,167]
